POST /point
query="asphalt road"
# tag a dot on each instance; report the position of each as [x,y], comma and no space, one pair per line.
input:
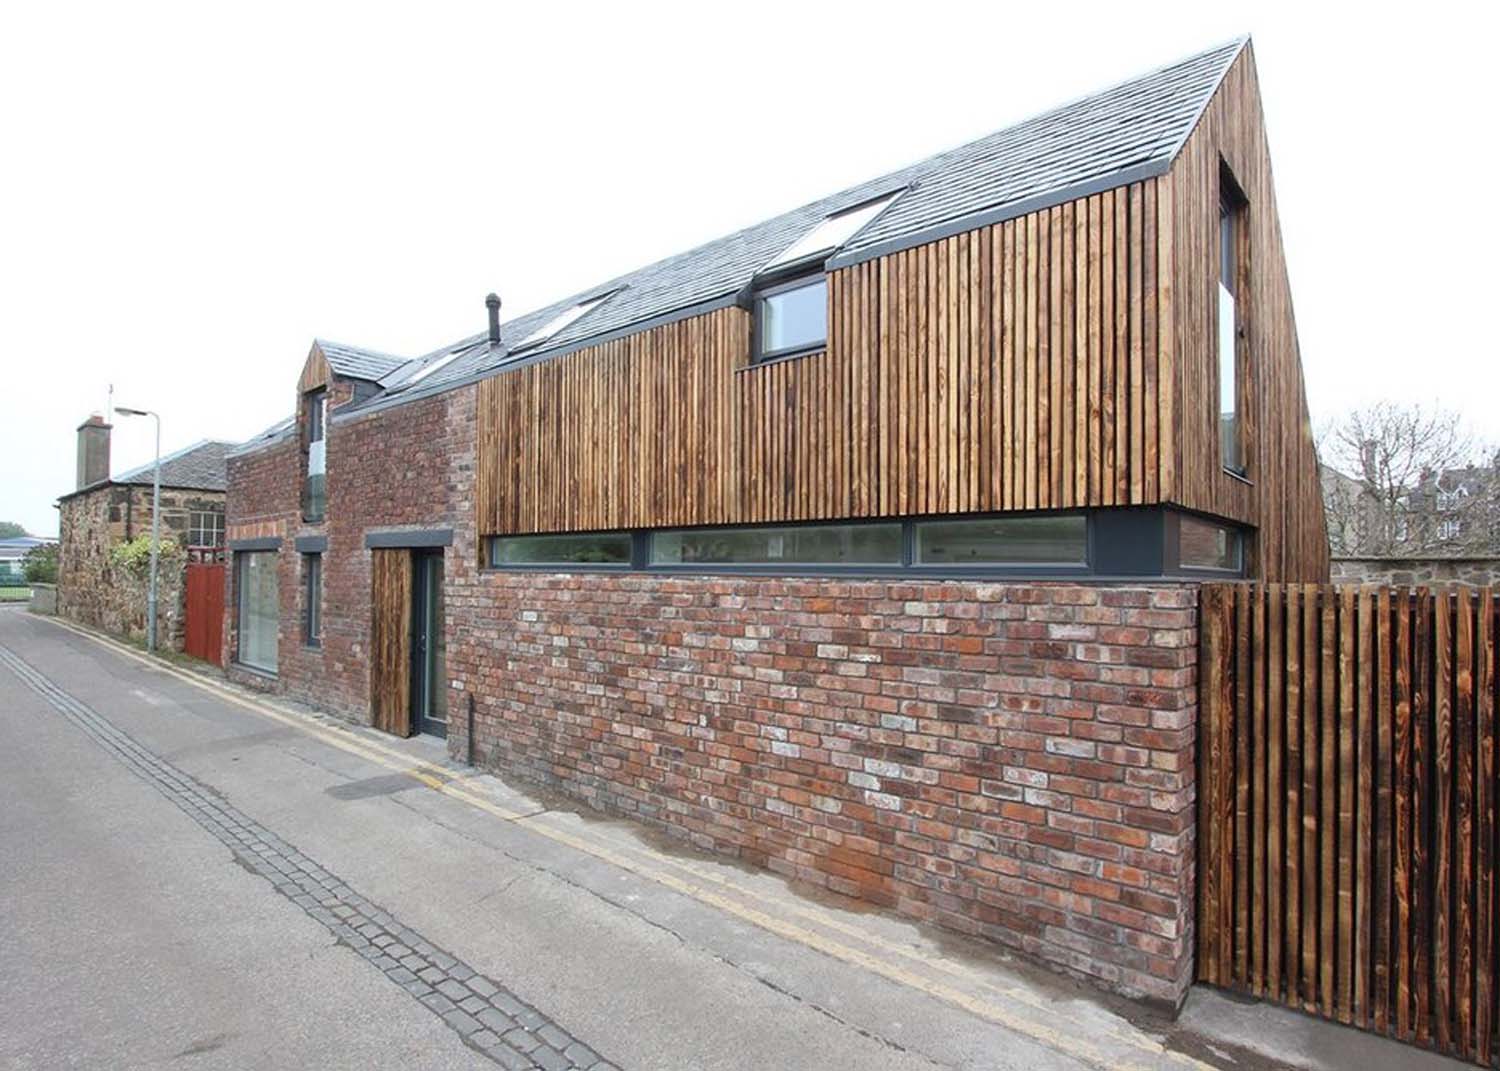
[190,877]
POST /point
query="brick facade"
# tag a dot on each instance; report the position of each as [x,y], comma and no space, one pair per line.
[408,467]
[92,590]
[1008,760]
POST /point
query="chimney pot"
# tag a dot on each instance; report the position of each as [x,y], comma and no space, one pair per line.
[492,302]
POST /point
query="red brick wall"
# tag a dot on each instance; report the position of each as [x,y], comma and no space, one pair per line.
[1010,760]
[408,466]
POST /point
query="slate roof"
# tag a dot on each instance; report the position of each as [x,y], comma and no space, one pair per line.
[199,467]
[1122,134]
[358,363]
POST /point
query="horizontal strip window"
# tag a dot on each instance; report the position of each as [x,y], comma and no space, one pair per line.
[1060,540]
[597,550]
[1138,542]
[815,544]
[1206,546]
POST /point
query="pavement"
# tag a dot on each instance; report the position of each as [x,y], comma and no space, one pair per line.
[194,876]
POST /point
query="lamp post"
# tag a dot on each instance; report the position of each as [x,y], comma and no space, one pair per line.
[155,526]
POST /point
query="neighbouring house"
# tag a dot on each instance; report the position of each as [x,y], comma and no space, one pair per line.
[13,551]
[862,544]
[104,512]
[1445,528]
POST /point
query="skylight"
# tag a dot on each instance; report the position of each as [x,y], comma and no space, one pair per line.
[832,232]
[441,362]
[560,321]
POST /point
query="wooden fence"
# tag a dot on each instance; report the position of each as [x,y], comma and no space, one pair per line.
[1346,837]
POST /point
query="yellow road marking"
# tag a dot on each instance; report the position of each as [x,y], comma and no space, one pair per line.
[440,780]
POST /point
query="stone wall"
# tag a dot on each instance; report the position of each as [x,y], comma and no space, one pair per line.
[1411,571]
[1013,761]
[92,590]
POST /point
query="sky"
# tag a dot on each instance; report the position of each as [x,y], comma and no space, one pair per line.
[190,194]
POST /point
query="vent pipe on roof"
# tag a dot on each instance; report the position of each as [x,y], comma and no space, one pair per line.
[493,304]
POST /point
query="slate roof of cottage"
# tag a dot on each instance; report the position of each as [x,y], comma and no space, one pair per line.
[358,363]
[198,467]
[1125,133]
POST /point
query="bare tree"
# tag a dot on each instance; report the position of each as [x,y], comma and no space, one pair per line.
[1407,480]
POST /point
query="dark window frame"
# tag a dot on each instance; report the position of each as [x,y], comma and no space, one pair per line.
[241,564]
[312,596]
[1233,213]
[314,430]
[1173,545]
[797,277]
[632,562]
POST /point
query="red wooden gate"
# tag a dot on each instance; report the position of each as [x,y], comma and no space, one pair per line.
[203,632]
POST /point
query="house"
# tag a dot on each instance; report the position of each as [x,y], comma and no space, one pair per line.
[1444,527]
[13,551]
[861,543]
[103,512]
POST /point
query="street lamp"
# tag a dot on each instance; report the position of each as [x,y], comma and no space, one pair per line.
[155,525]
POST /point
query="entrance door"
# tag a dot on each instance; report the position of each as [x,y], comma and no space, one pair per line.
[429,678]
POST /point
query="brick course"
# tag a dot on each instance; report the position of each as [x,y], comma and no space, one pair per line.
[1008,760]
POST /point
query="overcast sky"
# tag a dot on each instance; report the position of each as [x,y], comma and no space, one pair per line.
[190,194]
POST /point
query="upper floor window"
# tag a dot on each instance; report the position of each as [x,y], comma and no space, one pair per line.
[792,317]
[316,418]
[1450,500]
[1449,529]
[1231,313]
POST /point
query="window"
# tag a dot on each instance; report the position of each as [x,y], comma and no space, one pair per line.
[205,528]
[831,233]
[1203,544]
[1450,528]
[817,544]
[560,321]
[314,490]
[603,548]
[258,614]
[1231,258]
[431,367]
[792,318]
[1004,541]
[312,593]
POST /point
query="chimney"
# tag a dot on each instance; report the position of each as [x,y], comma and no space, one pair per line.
[1369,454]
[93,451]
[493,304]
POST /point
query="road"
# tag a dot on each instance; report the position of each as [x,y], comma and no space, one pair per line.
[194,877]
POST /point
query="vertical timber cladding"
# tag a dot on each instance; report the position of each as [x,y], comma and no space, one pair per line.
[1347,841]
[1282,498]
[1024,365]
[390,640]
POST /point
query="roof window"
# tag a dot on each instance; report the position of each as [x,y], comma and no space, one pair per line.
[560,321]
[831,233]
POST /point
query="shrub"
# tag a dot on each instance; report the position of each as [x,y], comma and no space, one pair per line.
[41,564]
[134,556]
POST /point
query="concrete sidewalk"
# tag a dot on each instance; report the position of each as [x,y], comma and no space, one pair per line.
[194,832]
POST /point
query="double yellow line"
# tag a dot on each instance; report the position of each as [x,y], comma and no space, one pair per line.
[1017,1009]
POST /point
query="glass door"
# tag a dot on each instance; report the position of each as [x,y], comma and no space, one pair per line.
[429,678]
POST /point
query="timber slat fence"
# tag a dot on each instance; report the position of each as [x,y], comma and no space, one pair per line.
[1346,836]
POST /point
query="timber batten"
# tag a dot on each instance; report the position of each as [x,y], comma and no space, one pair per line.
[1058,360]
